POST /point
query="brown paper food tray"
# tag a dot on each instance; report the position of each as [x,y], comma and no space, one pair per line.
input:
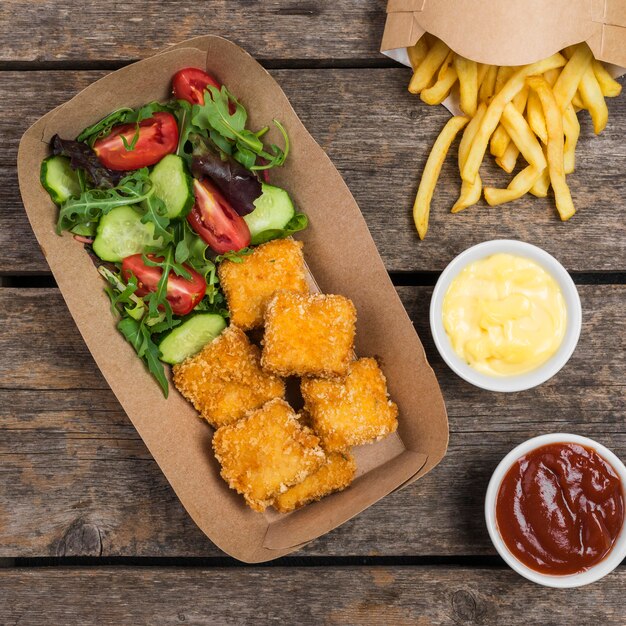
[510,32]
[341,255]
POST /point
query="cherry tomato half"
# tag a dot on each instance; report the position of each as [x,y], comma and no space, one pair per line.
[189,84]
[157,136]
[183,295]
[217,223]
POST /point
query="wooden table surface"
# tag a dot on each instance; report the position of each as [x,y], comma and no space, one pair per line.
[91,532]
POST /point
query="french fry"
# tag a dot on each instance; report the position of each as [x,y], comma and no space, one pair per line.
[523,137]
[610,87]
[494,111]
[500,139]
[594,101]
[488,83]
[519,186]
[567,83]
[467,72]
[554,125]
[421,207]
[521,99]
[504,73]
[577,101]
[470,192]
[481,72]
[441,89]
[509,158]
[540,188]
[418,52]
[423,75]
[571,129]
[534,115]
[551,76]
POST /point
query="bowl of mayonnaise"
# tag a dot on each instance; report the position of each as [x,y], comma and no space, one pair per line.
[505,315]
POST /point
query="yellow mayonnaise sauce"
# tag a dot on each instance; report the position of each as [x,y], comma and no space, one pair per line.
[505,315]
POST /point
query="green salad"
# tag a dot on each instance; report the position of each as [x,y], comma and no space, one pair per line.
[159,195]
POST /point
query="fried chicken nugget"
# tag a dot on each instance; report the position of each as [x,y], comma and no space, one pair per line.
[267,452]
[308,335]
[352,411]
[225,380]
[250,283]
[335,475]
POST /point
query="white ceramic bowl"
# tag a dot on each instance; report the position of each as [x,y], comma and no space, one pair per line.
[522,381]
[608,564]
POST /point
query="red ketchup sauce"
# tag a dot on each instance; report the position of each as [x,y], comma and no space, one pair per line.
[560,508]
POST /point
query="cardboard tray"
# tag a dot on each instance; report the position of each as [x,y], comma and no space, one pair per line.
[509,32]
[341,255]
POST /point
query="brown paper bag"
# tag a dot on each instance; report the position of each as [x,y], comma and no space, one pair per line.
[509,32]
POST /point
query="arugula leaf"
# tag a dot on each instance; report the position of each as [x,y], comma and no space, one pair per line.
[216,117]
[157,299]
[297,223]
[103,127]
[186,128]
[221,142]
[122,116]
[246,157]
[140,338]
[129,147]
[234,256]
[93,203]
[135,325]
[156,212]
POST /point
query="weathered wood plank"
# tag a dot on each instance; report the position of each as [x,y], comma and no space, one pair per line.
[77,480]
[287,29]
[364,595]
[378,135]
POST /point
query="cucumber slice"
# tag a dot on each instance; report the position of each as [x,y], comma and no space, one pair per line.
[88,229]
[173,185]
[122,233]
[272,212]
[190,337]
[59,179]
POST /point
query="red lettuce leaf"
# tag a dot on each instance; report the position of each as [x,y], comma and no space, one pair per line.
[240,186]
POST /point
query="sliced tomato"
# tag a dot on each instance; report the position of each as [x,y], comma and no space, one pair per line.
[217,223]
[133,146]
[190,84]
[182,294]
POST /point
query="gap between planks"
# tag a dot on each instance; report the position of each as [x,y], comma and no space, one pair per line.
[481,561]
[112,65]
[399,279]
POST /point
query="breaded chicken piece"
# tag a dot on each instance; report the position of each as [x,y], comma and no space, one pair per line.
[267,452]
[250,284]
[225,380]
[335,475]
[308,335]
[352,411]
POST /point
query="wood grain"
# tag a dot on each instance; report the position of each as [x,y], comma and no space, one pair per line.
[401,596]
[378,136]
[77,480]
[86,31]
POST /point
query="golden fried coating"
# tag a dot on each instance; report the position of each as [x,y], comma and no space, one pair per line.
[250,284]
[267,452]
[335,475]
[225,380]
[308,335]
[352,411]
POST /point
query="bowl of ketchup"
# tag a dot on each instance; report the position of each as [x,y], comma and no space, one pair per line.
[555,510]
